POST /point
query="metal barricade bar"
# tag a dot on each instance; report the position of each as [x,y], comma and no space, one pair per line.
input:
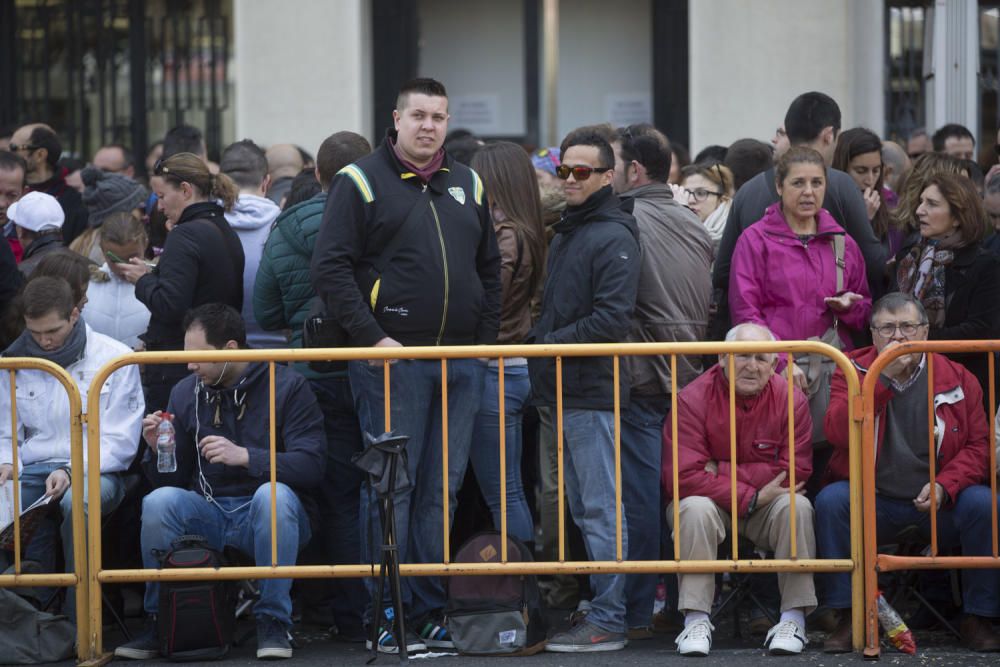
[98,575]
[78,577]
[875,562]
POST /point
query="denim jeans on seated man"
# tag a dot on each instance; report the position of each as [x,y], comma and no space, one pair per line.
[485,453]
[642,447]
[244,523]
[415,395]
[589,460]
[42,546]
[966,525]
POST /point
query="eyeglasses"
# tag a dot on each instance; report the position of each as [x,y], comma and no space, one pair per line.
[580,173]
[159,168]
[906,328]
[15,148]
[700,194]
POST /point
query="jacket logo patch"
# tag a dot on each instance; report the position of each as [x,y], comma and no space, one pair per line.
[402,311]
[458,193]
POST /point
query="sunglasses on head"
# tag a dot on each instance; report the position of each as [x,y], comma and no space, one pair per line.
[580,173]
[159,168]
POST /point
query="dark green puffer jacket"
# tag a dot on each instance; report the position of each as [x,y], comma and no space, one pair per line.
[282,290]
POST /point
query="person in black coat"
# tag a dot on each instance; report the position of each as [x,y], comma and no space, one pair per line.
[946,267]
[202,261]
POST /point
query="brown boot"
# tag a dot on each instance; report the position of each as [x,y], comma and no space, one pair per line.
[839,641]
[978,634]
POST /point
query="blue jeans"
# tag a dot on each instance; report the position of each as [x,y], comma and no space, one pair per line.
[416,412]
[42,547]
[244,523]
[485,453]
[966,524]
[340,540]
[642,447]
[589,460]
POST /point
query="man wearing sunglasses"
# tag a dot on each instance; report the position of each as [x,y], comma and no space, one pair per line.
[675,286]
[40,148]
[589,297]
[903,492]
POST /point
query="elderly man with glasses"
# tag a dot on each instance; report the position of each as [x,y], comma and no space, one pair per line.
[903,491]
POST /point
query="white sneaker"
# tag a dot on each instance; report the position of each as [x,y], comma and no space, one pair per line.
[786,638]
[695,639]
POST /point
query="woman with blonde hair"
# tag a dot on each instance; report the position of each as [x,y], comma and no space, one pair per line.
[202,261]
[114,309]
[707,189]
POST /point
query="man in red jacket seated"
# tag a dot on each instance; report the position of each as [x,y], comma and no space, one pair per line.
[764,501]
[902,468]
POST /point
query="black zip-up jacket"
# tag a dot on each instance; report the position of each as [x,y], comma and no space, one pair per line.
[202,262]
[443,285]
[590,291]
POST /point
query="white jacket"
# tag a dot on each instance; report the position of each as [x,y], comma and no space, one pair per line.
[113,310]
[43,410]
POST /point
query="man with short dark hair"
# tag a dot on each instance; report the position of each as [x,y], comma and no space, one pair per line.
[589,297]
[184,139]
[12,185]
[903,493]
[115,159]
[282,296]
[918,143]
[675,286]
[813,120]
[251,218]
[54,331]
[40,148]
[955,140]
[221,488]
[748,157]
[442,287]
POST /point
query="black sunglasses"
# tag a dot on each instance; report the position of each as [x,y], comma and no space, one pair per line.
[580,173]
[159,168]
[14,148]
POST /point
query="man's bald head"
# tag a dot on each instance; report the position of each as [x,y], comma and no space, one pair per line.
[283,160]
[895,164]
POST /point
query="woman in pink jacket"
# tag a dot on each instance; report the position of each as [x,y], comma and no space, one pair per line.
[784,275]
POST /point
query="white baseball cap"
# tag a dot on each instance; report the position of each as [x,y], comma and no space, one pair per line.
[37,212]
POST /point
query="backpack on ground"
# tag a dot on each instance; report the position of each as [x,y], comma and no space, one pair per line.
[494,614]
[196,618]
[29,636]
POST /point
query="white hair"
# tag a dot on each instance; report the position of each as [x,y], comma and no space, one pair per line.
[735,331]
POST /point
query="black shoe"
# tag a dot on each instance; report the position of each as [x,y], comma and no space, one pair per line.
[145,646]
[273,640]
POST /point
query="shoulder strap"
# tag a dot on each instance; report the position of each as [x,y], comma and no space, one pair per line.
[396,242]
[838,252]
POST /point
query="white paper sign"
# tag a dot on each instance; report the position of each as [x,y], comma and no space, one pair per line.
[479,114]
[622,109]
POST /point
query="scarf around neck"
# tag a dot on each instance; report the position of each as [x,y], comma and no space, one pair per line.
[67,355]
[921,272]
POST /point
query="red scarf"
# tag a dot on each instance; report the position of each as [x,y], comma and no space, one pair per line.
[427,171]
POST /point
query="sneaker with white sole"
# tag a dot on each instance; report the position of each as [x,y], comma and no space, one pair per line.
[585,637]
[435,634]
[786,638]
[696,639]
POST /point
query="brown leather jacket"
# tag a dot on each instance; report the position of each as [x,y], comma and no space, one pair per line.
[516,280]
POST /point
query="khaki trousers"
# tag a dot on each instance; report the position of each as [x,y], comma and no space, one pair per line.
[704,526]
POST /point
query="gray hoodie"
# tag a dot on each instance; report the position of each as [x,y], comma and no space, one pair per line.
[251,218]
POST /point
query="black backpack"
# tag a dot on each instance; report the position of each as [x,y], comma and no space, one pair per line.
[196,618]
[494,614]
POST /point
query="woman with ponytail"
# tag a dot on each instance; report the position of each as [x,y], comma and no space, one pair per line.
[202,262]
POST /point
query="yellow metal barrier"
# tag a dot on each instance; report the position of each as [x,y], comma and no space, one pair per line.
[98,576]
[12,365]
[876,562]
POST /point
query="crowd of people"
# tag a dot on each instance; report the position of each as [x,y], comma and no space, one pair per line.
[437,238]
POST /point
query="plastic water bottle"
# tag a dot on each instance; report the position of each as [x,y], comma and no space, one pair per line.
[897,631]
[166,445]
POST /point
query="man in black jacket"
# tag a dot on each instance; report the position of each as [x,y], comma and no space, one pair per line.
[589,297]
[221,486]
[407,255]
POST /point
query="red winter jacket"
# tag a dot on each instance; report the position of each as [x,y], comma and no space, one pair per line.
[761,439]
[960,423]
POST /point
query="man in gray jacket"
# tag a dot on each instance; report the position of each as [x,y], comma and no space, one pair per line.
[675,287]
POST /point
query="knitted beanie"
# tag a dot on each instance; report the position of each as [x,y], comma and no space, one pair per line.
[106,193]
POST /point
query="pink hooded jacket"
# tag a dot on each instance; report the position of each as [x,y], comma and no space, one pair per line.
[780,281]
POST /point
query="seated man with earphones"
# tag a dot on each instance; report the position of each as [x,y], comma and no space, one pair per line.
[221,487]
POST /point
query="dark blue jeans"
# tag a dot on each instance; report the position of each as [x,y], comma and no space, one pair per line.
[339,498]
[415,395]
[642,445]
[485,452]
[966,524]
